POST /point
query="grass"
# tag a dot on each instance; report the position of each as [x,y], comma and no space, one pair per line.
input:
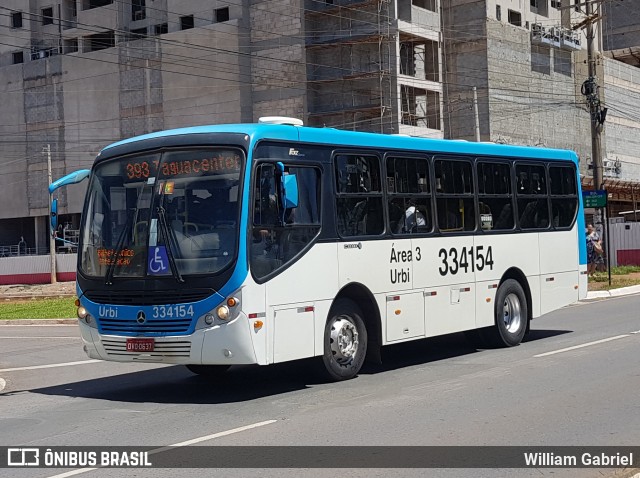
[38,309]
[622,270]
[601,281]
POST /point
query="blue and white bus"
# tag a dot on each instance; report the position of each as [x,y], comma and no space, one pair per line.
[263,243]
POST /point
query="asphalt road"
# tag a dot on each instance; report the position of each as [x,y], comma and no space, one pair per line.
[432,392]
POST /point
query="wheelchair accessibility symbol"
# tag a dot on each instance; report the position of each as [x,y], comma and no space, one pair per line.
[158,260]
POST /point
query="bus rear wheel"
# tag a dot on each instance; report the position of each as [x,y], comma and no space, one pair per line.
[209,371]
[345,341]
[511,316]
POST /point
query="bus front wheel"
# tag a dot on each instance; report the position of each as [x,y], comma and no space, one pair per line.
[209,371]
[511,315]
[345,341]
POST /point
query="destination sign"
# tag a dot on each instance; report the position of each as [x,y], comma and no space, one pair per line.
[107,257]
[224,162]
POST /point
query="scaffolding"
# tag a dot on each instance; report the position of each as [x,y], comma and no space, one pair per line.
[351,58]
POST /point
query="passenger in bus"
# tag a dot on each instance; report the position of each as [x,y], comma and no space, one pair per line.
[413,219]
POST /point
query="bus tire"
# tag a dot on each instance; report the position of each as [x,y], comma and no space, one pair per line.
[209,371]
[345,341]
[511,315]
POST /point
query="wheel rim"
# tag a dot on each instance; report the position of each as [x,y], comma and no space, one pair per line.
[512,313]
[343,340]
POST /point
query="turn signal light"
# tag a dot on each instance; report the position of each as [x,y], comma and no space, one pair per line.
[232,301]
[77,302]
[258,324]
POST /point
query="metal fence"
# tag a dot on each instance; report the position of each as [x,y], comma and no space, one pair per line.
[18,250]
[624,243]
[68,245]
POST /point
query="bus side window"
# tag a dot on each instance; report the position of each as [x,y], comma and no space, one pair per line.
[409,195]
[533,205]
[358,195]
[454,195]
[276,242]
[564,195]
[495,197]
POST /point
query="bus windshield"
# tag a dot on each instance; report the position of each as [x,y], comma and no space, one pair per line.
[174,213]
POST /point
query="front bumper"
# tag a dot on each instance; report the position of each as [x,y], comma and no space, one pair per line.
[222,344]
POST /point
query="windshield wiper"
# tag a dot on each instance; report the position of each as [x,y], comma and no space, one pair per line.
[108,279]
[168,240]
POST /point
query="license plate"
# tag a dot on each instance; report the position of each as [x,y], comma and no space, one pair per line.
[140,345]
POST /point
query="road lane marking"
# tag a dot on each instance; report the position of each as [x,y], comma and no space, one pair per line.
[52,365]
[177,445]
[3,384]
[583,345]
[214,435]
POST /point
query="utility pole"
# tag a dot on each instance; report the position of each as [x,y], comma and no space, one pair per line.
[590,89]
[52,238]
[475,112]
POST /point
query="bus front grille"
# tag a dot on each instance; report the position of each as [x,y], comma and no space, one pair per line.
[151,326]
[175,348]
[152,297]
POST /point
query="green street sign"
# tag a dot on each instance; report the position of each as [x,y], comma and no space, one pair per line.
[597,198]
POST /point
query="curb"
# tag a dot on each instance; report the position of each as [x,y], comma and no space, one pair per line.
[39,322]
[605,294]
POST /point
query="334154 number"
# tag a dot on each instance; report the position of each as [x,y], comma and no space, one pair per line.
[454,260]
[172,311]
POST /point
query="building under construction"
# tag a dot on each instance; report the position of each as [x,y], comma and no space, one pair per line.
[374,65]
[76,75]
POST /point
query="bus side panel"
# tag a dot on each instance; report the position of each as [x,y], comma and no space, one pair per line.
[559,269]
[444,272]
[309,282]
[253,302]
[382,265]
[495,254]
[485,302]
[582,244]
[293,331]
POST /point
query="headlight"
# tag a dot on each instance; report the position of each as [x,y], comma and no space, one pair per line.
[82,313]
[223,312]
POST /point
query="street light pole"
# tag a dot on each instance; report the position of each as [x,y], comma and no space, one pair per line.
[52,238]
[475,113]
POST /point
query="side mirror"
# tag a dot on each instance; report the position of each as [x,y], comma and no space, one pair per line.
[54,215]
[289,188]
[71,178]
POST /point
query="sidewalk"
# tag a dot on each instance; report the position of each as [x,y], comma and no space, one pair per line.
[603,294]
